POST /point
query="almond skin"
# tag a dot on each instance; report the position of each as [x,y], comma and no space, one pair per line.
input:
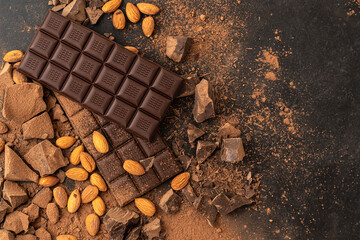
[133,167]
[13,56]
[98,181]
[65,142]
[132,49]
[74,201]
[99,206]
[66,237]
[89,194]
[148,8]
[60,196]
[145,206]
[100,143]
[19,77]
[75,155]
[77,174]
[87,162]
[180,181]
[92,223]
[119,20]
[48,181]
[148,26]
[111,6]
[132,13]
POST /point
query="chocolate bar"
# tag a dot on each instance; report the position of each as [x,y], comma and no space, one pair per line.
[123,146]
[104,77]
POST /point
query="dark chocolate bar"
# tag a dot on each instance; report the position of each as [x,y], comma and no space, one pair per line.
[123,146]
[104,77]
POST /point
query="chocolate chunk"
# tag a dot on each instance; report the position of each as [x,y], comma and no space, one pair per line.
[4,209]
[232,150]
[194,133]
[204,207]
[177,47]
[204,104]
[94,14]
[42,198]
[187,88]
[6,235]
[124,190]
[228,130]
[170,202]
[6,77]
[16,169]
[14,194]
[96,3]
[185,161]
[147,163]
[226,205]
[38,127]
[50,102]
[152,229]
[189,193]
[16,222]
[45,158]
[204,149]
[26,237]
[153,147]
[58,7]
[134,234]
[84,123]
[32,211]
[75,10]
[166,165]
[119,221]
[42,234]
[69,106]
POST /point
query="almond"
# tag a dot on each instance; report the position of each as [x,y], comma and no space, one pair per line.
[65,142]
[119,20]
[52,212]
[132,13]
[89,194]
[75,155]
[148,8]
[92,223]
[48,181]
[100,143]
[2,144]
[148,26]
[66,237]
[133,167]
[98,181]
[19,77]
[180,181]
[132,49]
[16,65]
[74,201]
[13,56]
[60,196]
[99,206]
[145,206]
[87,162]
[77,174]
[111,6]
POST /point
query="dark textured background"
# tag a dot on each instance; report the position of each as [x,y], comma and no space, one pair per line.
[315,194]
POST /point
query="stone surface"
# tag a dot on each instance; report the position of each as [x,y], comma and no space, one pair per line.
[16,169]
[228,131]
[32,211]
[152,229]
[6,235]
[189,193]
[45,158]
[118,221]
[75,10]
[177,47]
[26,237]
[42,198]
[38,127]
[4,209]
[170,202]
[187,87]
[42,234]
[204,149]
[204,104]
[93,14]
[204,207]
[232,150]
[16,222]
[14,194]
[147,163]
[194,133]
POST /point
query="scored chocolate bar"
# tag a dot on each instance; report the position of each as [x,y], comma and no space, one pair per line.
[104,77]
[123,146]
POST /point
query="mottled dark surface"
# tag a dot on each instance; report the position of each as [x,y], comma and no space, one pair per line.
[310,175]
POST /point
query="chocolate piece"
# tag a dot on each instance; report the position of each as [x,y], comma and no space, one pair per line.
[134,234]
[189,193]
[204,149]
[38,127]
[96,3]
[232,150]
[226,205]
[147,163]
[101,75]
[152,229]
[194,133]
[14,194]
[32,211]
[6,235]
[4,209]
[16,222]
[228,130]
[185,161]
[42,234]
[166,165]
[119,221]
[58,7]
[177,46]
[26,237]
[94,14]
[75,10]
[204,104]
[43,197]
[187,88]
[170,202]
[205,208]
[3,128]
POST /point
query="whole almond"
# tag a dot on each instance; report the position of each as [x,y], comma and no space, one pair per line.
[48,181]
[52,212]
[2,144]
[77,174]
[74,201]
[75,155]
[98,181]
[132,49]
[65,142]
[19,77]
[111,6]
[87,161]
[132,13]
[119,20]
[13,56]
[145,206]
[148,8]
[66,237]
[99,206]
[16,65]
[148,26]
[60,196]
[92,223]
[180,181]
[100,143]
[89,194]
[133,167]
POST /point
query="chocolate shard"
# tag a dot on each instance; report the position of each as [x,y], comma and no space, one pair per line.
[170,202]
[6,77]
[94,14]
[194,132]
[147,163]
[4,209]
[75,10]
[226,205]
[42,198]
[177,47]
[187,88]
[185,161]
[204,207]
[232,150]
[16,169]
[45,158]
[32,211]
[204,149]
[152,229]
[189,193]
[38,127]
[6,235]
[58,7]
[228,130]
[134,234]
[16,222]
[204,104]
[118,221]
[42,234]
[14,194]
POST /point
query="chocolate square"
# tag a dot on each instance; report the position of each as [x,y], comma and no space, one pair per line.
[75,88]
[110,167]
[155,104]
[143,70]
[86,68]
[98,47]
[109,79]
[43,44]
[97,100]
[147,181]
[116,134]
[76,35]
[84,123]
[167,82]
[64,56]
[120,112]
[153,147]
[131,91]
[32,65]
[121,58]
[130,151]
[124,190]
[143,125]
[166,165]
[53,76]
[54,24]
[101,120]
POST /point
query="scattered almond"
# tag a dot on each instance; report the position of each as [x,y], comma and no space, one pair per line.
[52,212]
[99,206]
[180,181]
[89,194]
[66,237]
[148,26]
[92,223]
[74,201]
[75,155]
[48,181]
[119,20]
[98,181]
[133,49]
[2,144]
[132,13]
[145,206]
[16,65]
[13,56]
[60,196]
[133,167]
[100,143]
[111,6]
[87,161]
[148,8]
[77,174]
[19,77]
[65,142]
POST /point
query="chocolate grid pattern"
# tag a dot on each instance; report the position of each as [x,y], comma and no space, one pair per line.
[124,187]
[93,57]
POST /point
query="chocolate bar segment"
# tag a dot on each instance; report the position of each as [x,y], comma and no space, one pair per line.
[104,77]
